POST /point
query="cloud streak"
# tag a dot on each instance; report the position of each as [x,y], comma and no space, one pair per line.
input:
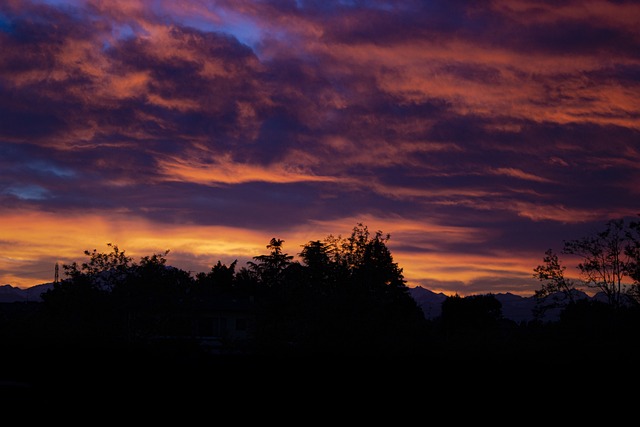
[225,170]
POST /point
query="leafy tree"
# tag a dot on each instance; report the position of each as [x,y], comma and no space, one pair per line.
[632,251]
[321,272]
[377,267]
[347,295]
[363,257]
[315,255]
[470,313]
[269,268]
[608,262]
[111,296]
[106,269]
[81,305]
[552,274]
[77,310]
[366,287]
[219,279]
[556,290]
[349,252]
[246,281]
[605,260]
[600,329]
[150,296]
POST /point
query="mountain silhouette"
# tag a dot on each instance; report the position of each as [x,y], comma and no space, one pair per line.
[10,293]
[429,301]
[514,307]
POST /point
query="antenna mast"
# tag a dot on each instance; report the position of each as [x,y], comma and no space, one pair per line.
[56,276]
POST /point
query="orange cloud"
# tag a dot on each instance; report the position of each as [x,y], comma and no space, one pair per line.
[403,230]
[620,15]
[225,170]
[519,84]
[517,173]
[451,195]
[564,214]
[177,104]
[342,151]
[125,86]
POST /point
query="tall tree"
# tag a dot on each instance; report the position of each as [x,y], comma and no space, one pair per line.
[471,313]
[320,270]
[270,267]
[106,269]
[556,290]
[551,273]
[605,261]
[219,279]
[632,251]
[347,295]
[365,257]
[110,295]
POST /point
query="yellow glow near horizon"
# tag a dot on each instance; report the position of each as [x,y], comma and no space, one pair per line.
[37,240]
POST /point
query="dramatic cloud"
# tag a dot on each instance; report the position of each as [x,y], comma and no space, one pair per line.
[478,134]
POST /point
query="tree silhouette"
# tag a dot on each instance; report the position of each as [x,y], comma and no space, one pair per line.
[347,295]
[470,313]
[78,310]
[320,271]
[608,262]
[105,269]
[556,290]
[269,268]
[632,251]
[150,295]
[604,260]
[110,298]
[219,279]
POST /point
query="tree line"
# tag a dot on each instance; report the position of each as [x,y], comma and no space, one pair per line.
[345,296]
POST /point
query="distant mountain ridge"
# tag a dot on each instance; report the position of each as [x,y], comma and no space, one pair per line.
[10,293]
[514,307]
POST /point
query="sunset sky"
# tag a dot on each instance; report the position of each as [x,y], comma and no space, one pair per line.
[477,134]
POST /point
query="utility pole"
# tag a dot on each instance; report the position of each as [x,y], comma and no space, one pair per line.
[56,276]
